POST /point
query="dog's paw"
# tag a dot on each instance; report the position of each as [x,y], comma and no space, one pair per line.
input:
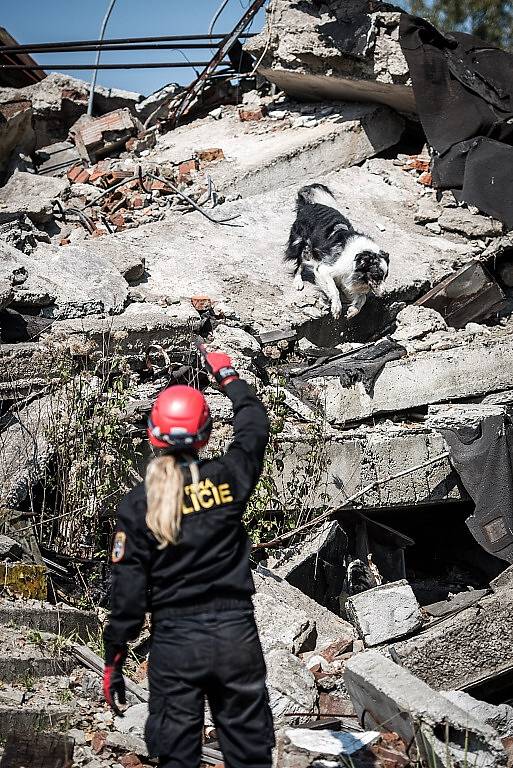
[336,309]
[298,283]
[352,312]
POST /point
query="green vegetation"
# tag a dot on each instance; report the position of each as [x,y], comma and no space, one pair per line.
[492,20]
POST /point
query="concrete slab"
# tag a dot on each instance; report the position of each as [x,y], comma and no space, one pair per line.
[336,50]
[71,281]
[43,617]
[463,650]
[242,266]
[262,156]
[27,193]
[291,688]
[355,458]
[385,613]
[425,377]
[390,698]
[328,627]
[25,656]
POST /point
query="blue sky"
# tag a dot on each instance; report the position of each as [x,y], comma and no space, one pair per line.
[42,21]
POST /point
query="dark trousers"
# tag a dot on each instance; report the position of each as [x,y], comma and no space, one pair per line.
[217,653]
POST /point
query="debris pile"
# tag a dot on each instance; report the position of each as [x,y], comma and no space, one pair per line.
[382,526]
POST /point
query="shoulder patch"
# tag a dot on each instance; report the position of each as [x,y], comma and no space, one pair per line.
[118,546]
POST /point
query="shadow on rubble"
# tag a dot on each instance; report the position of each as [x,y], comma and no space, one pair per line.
[429,545]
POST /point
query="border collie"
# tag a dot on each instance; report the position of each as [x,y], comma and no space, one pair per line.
[324,243]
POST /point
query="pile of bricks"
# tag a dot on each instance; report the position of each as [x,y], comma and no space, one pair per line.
[132,197]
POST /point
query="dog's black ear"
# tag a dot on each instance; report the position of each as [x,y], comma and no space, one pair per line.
[385,255]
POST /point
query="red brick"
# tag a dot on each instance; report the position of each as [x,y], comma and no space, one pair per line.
[98,171]
[332,705]
[137,202]
[98,741]
[210,155]
[65,241]
[118,220]
[426,179]
[337,648]
[75,171]
[130,760]
[247,115]
[82,177]
[187,168]
[201,303]
[415,163]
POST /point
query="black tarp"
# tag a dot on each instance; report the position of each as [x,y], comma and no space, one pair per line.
[464,93]
[363,364]
[482,455]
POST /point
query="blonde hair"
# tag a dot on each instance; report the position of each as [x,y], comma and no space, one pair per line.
[164,483]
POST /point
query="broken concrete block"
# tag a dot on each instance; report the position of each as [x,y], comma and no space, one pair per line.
[329,628]
[304,747]
[234,340]
[24,368]
[334,51]
[498,717]
[414,322]
[503,581]
[461,221]
[262,294]
[71,282]
[57,101]
[16,128]
[390,698]
[24,580]
[9,548]
[30,194]
[96,137]
[282,625]
[461,651]
[385,613]
[426,377]
[44,617]
[291,688]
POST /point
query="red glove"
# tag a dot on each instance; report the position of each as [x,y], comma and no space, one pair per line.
[221,367]
[114,683]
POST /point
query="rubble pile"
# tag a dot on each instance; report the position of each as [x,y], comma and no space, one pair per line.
[382,528]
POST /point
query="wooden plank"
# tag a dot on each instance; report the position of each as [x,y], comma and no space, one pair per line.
[92,661]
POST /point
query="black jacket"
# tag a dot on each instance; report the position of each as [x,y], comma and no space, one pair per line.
[211,559]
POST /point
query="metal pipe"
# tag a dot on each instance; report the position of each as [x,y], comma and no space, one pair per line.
[137,47]
[146,65]
[34,47]
[97,62]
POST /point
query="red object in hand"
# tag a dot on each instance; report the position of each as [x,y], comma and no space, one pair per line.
[221,367]
[114,683]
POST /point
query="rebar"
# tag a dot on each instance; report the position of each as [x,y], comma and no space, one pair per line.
[41,47]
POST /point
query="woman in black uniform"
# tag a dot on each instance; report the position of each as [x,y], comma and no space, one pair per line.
[181,552]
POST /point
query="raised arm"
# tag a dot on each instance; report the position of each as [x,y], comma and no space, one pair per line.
[245,456]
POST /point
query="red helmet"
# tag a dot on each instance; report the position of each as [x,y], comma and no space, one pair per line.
[180,418]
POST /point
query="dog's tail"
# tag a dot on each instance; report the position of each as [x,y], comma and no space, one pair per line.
[315,194]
